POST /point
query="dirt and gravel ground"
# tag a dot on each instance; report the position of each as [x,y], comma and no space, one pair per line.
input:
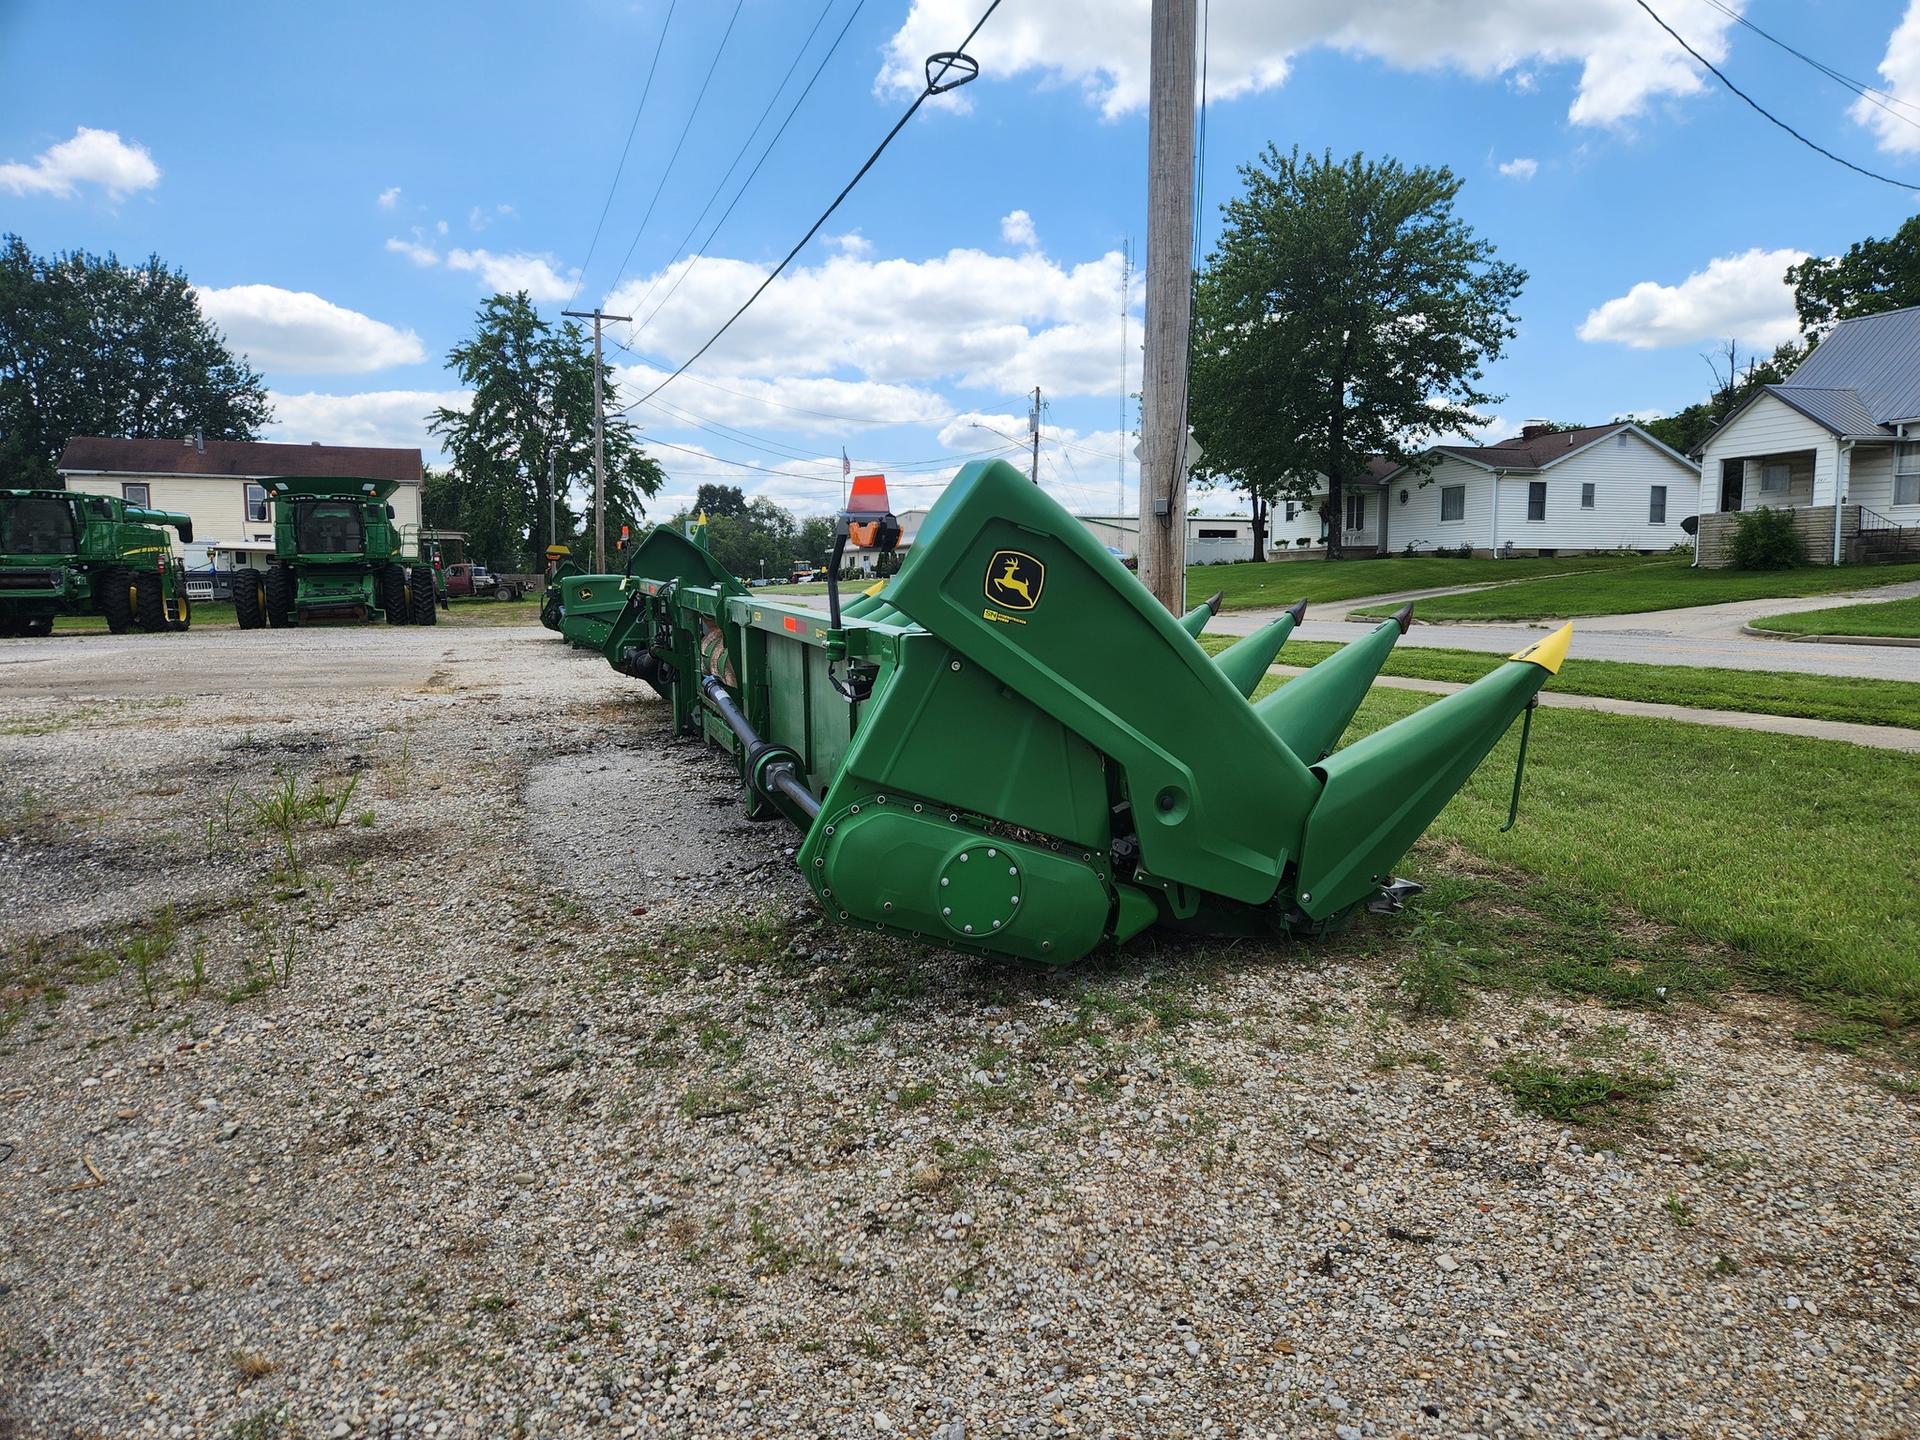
[498,1079]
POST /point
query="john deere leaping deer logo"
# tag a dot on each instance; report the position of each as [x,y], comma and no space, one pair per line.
[1014,580]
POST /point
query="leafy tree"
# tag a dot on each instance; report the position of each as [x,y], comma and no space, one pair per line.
[1686,430]
[533,403]
[720,500]
[759,539]
[814,542]
[89,346]
[1873,276]
[1346,312]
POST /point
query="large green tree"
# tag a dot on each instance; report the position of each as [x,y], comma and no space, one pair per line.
[1874,275]
[532,407]
[1686,429]
[1347,312]
[89,346]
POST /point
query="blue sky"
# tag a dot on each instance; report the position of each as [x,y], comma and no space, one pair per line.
[349,181]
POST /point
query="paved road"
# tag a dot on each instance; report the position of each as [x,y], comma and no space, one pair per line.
[1701,635]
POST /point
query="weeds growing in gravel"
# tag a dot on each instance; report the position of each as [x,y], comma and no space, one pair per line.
[1580,1097]
[1681,1213]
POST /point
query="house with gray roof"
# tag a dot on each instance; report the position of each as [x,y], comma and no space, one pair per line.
[1837,442]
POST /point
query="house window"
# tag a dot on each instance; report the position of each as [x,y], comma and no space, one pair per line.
[1775,476]
[1292,511]
[135,493]
[1657,505]
[1536,500]
[1906,473]
[1586,492]
[256,504]
[1206,534]
[1356,512]
[1453,502]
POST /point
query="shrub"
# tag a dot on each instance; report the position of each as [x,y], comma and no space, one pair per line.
[1765,539]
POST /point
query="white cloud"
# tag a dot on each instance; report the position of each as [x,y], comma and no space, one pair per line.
[1017,229]
[1744,296]
[813,405]
[1520,168]
[480,217]
[851,243]
[1006,323]
[440,227]
[389,197]
[297,331]
[91,157]
[1895,121]
[1101,45]
[418,253]
[377,417]
[535,274]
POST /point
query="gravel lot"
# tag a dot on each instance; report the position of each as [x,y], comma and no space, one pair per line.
[539,1103]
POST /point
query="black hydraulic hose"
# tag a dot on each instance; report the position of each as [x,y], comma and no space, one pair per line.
[780,774]
[833,581]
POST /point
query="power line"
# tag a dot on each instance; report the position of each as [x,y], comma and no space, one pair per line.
[822,414]
[949,60]
[724,462]
[1768,114]
[1881,98]
[645,90]
[748,182]
[684,130]
[754,440]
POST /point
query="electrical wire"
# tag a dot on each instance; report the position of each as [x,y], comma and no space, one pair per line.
[931,88]
[1866,92]
[734,465]
[826,414]
[707,242]
[672,159]
[770,445]
[1768,114]
[618,170]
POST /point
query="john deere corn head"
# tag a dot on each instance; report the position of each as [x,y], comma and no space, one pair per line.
[337,555]
[63,552]
[1014,749]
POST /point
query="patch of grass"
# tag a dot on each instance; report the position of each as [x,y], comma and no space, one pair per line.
[1429,976]
[1897,618]
[251,1365]
[713,1102]
[1756,692]
[1740,839]
[1579,1097]
[1681,1213]
[1322,581]
[1660,585]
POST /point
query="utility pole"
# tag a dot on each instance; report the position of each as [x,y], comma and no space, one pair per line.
[1126,296]
[1033,424]
[1163,418]
[552,495]
[599,423]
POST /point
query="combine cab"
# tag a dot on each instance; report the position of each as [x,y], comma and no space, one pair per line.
[1012,748]
[63,552]
[337,555]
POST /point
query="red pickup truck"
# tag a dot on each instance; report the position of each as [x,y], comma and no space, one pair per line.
[477,582]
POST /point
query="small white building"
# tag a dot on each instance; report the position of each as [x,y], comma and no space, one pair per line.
[219,483]
[1837,443]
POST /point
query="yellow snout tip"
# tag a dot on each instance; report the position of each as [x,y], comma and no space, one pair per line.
[1549,654]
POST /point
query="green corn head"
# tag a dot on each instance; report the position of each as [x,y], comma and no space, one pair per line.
[1012,748]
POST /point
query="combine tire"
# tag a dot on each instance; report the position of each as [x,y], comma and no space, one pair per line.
[425,610]
[393,594]
[248,606]
[149,603]
[38,625]
[185,606]
[280,586]
[116,599]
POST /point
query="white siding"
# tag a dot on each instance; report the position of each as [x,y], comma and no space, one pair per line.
[218,505]
[1767,427]
[1417,520]
[1622,469]
[1870,477]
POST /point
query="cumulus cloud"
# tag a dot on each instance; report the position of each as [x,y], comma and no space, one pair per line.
[1520,168]
[414,250]
[1006,323]
[376,417]
[389,197]
[1893,120]
[91,157]
[538,275]
[808,404]
[297,331]
[1101,45]
[851,243]
[1745,296]
[1017,229]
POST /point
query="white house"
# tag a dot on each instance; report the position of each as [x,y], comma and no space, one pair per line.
[1837,443]
[219,484]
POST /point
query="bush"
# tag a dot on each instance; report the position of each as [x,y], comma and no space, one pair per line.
[1765,539]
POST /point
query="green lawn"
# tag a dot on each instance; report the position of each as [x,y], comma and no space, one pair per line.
[1662,585]
[1897,618]
[1802,855]
[1759,692]
[218,615]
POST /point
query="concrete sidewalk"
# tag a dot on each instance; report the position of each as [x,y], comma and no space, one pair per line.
[1878,737]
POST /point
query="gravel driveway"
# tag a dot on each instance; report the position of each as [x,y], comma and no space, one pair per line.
[513,1088]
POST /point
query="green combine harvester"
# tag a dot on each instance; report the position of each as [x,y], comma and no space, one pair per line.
[63,552]
[1013,749]
[337,555]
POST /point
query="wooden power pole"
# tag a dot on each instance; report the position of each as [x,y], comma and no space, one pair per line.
[1163,409]
[599,424]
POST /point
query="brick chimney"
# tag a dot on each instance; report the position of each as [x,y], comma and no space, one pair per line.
[1534,429]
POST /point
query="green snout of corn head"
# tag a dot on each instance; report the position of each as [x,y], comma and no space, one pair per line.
[1012,748]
